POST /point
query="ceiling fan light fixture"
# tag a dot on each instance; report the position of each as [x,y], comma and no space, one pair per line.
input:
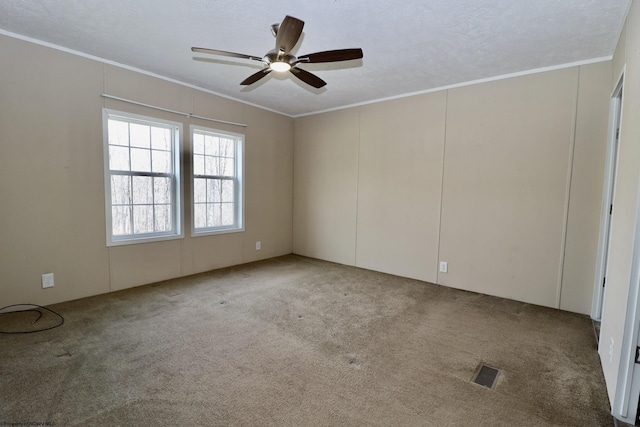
[280,66]
[280,59]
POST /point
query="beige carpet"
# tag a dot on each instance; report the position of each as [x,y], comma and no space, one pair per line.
[298,342]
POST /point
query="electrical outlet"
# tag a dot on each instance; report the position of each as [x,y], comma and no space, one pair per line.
[611,351]
[47,280]
[444,266]
[258,246]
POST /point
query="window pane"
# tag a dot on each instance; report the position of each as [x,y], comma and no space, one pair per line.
[142,190]
[140,135]
[140,160]
[198,165]
[198,143]
[227,214]
[227,147]
[214,190]
[217,166]
[226,191]
[211,145]
[162,218]
[142,219]
[120,190]
[161,161]
[227,166]
[118,132]
[210,165]
[199,190]
[118,158]
[213,215]
[162,190]
[160,138]
[121,220]
[200,215]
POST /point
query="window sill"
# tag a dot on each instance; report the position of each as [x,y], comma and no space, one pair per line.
[134,241]
[216,232]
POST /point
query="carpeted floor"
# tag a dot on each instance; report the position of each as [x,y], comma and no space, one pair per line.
[299,342]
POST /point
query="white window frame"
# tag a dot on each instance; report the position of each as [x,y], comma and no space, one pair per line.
[177,193]
[238,180]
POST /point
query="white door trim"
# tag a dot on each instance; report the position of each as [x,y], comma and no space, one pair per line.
[615,118]
[625,404]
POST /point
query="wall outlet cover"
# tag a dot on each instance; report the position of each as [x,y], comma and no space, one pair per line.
[444,266]
[47,280]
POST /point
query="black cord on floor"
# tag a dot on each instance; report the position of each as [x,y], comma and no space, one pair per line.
[31,310]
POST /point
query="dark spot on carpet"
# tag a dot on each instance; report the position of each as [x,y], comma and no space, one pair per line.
[354,362]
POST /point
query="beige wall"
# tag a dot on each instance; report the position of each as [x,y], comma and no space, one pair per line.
[326,186]
[585,197]
[506,159]
[52,214]
[491,178]
[51,189]
[399,206]
[619,56]
[625,201]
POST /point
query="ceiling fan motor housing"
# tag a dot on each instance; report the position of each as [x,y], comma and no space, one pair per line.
[279,56]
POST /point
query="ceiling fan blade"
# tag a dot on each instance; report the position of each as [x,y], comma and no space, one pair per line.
[288,33]
[255,77]
[308,78]
[224,53]
[331,56]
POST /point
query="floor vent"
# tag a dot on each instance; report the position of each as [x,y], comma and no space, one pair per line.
[486,376]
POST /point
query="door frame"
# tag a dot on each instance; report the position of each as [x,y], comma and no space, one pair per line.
[625,404]
[611,167]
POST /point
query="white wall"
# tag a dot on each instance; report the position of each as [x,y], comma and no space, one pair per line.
[52,209]
[493,178]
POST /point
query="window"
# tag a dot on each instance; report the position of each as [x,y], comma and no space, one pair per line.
[217,181]
[142,178]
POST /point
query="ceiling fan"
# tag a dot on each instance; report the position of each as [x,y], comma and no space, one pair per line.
[280,58]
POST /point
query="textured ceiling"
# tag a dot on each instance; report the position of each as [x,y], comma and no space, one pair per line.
[409,46]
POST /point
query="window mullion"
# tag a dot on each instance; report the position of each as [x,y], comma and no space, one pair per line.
[153,179]
[153,200]
[129,142]
[214,177]
[136,173]
[130,206]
